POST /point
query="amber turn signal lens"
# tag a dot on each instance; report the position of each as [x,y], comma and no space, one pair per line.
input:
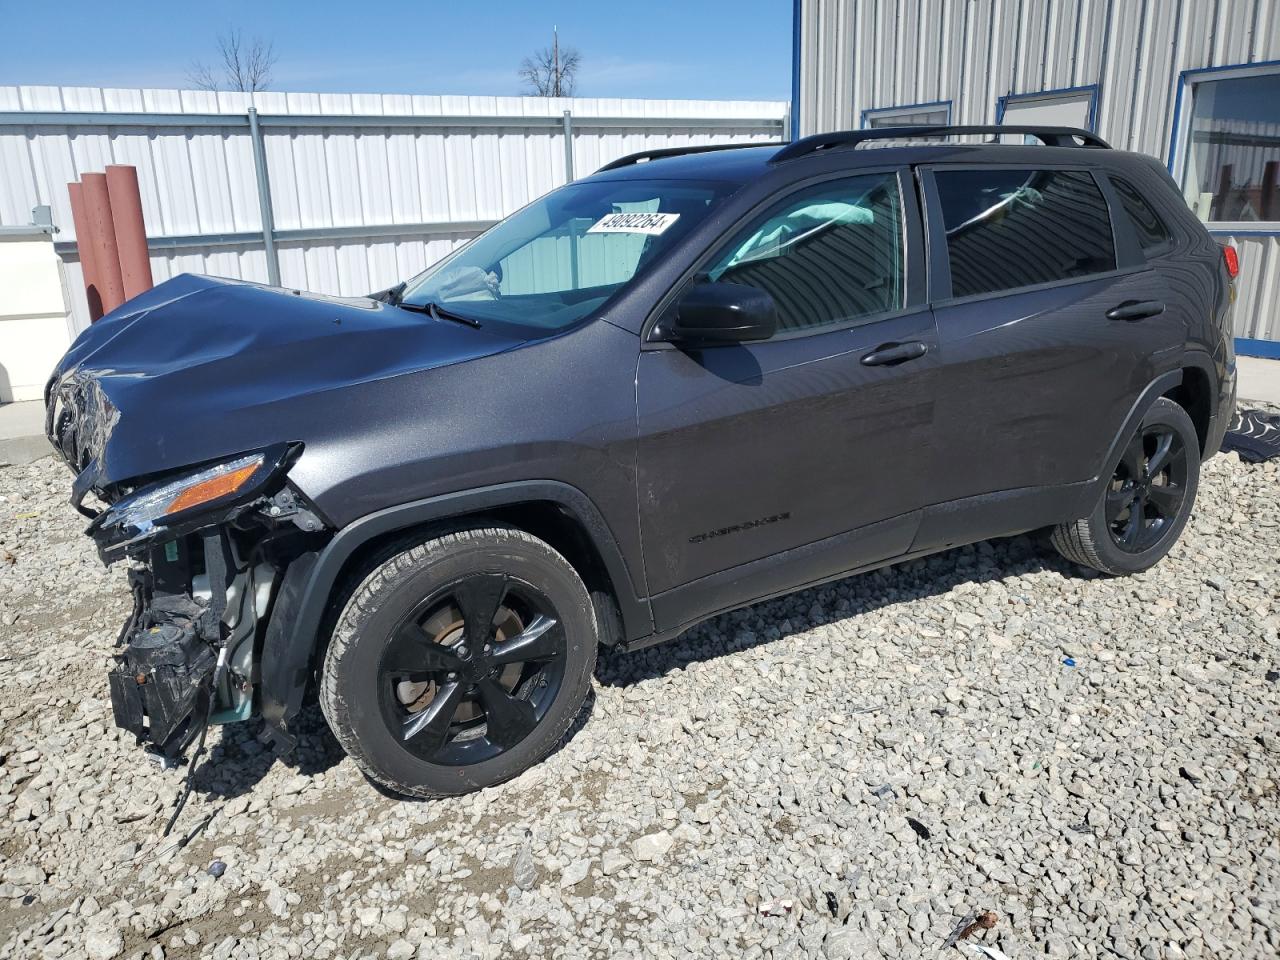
[212,489]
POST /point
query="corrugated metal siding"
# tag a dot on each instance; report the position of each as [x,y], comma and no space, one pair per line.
[1258,304]
[201,180]
[858,55]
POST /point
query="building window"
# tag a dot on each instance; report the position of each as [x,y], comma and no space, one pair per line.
[1231,171]
[911,115]
[1073,107]
[1019,228]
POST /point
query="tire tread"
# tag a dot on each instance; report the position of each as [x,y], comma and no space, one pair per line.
[1078,540]
[403,557]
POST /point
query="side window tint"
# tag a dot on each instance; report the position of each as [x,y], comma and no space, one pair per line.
[1153,235]
[1017,228]
[827,255]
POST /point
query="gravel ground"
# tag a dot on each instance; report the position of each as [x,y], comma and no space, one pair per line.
[845,772]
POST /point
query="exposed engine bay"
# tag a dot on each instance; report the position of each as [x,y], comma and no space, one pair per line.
[208,551]
[191,647]
[192,650]
[183,416]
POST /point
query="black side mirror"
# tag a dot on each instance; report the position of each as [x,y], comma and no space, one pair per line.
[711,313]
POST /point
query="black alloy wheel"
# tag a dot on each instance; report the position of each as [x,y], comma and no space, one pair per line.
[1148,488]
[1147,499]
[459,660]
[472,669]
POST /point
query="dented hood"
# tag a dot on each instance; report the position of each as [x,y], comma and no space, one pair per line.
[200,368]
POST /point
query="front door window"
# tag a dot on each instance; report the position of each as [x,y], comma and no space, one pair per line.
[829,255]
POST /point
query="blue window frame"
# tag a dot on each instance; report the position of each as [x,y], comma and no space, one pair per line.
[1217,185]
[1268,349]
[793,133]
[1224,149]
[1049,96]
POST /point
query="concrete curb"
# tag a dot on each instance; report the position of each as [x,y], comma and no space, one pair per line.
[20,450]
[22,438]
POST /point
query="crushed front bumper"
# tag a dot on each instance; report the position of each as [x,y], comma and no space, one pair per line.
[173,654]
[162,684]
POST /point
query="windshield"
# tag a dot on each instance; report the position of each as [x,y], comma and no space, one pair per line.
[560,258]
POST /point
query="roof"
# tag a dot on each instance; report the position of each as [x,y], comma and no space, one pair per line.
[732,165]
[740,164]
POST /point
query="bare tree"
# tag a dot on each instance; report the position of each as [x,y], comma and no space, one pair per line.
[245,67]
[551,72]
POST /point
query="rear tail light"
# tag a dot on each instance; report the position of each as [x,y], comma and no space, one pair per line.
[1231,259]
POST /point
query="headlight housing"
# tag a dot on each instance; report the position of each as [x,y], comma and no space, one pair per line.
[200,498]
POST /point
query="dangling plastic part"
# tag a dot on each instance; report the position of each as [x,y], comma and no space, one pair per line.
[189,781]
[215,561]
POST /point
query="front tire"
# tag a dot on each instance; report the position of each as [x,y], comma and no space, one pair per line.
[460,661]
[1143,508]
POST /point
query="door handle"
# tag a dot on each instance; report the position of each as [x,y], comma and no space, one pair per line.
[888,354]
[1136,310]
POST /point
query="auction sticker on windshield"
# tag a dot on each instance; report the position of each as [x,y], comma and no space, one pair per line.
[648,223]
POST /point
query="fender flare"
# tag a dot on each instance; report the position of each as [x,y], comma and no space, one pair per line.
[287,654]
[1151,392]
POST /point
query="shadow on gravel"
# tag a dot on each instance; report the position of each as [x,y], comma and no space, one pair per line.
[237,762]
[861,593]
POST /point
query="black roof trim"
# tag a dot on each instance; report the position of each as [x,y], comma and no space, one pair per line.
[1050,136]
[645,155]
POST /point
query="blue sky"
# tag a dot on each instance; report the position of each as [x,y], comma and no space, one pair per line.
[724,49]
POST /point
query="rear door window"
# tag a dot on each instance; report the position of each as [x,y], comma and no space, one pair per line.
[1152,233]
[1008,229]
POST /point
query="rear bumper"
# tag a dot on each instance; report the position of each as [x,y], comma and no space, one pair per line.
[1224,412]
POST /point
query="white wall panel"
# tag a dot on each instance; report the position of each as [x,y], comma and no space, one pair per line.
[199,180]
[1257,311]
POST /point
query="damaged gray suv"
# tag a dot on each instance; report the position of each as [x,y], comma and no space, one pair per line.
[693,380]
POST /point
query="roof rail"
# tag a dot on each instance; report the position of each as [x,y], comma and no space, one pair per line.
[644,155]
[1050,136]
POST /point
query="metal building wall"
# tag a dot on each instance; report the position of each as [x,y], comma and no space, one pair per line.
[856,55]
[357,204]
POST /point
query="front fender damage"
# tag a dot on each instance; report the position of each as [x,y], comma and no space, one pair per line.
[210,639]
[216,589]
[286,660]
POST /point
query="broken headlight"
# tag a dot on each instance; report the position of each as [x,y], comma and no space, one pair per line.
[196,499]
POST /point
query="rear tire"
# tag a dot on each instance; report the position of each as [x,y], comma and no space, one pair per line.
[1144,507]
[460,661]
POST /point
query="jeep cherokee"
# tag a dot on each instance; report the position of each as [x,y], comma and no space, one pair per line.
[698,378]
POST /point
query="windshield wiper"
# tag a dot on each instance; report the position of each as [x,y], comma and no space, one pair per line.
[437,312]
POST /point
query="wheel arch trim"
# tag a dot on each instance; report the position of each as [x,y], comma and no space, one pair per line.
[1169,380]
[332,561]
[334,557]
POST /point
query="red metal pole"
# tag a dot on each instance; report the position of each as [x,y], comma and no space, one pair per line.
[85,248]
[131,232]
[97,203]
